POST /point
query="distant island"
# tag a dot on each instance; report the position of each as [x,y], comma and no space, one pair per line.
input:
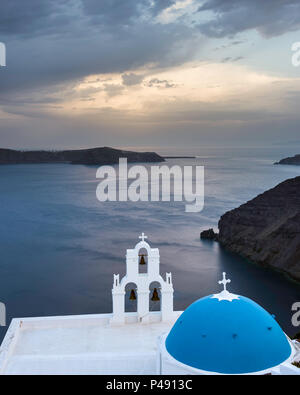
[179,157]
[293,160]
[91,156]
[265,230]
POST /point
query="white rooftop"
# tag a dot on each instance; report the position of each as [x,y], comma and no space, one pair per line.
[83,344]
[120,343]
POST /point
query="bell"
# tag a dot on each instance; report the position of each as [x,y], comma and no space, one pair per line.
[155,297]
[142,260]
[132,295]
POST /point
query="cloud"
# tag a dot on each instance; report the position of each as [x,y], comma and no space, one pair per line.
[122,45]
[113,90]
[229,45]
[123,12]
[155,82]
[231,59]
[159,6]
[32,17]
[118,12]
[132,79]
[268,17]
[51,43]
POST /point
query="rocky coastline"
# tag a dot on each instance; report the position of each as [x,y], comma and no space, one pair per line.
[265,230]
[293,160]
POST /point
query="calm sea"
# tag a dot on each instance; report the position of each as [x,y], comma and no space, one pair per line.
[60,246]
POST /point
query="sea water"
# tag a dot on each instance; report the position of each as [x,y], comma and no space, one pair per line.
[60,246]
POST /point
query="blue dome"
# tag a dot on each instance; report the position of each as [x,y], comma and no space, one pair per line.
[230,337]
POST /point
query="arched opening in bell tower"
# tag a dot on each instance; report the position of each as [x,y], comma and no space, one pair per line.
[155,296]
[143,261]
[130,298]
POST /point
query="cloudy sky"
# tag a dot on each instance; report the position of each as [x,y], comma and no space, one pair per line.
[83,73]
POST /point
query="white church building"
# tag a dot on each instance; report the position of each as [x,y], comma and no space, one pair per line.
[222,333]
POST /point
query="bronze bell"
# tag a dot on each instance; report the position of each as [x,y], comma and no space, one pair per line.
[155,297]
[132,295]
[142,260]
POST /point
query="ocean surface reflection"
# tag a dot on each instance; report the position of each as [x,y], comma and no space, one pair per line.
[60,246]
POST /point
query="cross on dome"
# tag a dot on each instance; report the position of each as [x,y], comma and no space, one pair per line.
[225,295]
[224,281]
[143,236]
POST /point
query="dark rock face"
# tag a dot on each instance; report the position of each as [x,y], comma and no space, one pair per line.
[209,235]
[266,230]
[294,160]
[93,156]
[297,337]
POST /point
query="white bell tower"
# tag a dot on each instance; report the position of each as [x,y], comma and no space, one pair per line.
[142,281]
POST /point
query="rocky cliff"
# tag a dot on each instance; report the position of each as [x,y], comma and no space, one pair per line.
[266,230]
[294,160]
[93,156]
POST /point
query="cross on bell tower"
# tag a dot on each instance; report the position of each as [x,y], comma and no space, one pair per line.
[224,281]
[143,237]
